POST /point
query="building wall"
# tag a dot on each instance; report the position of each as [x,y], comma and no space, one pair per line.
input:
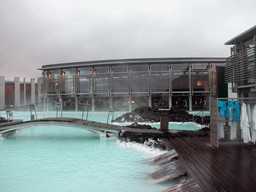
[18,95]
[241,65]
[126,87]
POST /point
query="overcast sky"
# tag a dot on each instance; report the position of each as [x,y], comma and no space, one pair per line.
[39,32]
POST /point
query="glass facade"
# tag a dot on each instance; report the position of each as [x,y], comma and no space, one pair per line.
[127,86]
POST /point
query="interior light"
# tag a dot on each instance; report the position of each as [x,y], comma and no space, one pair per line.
[199,83]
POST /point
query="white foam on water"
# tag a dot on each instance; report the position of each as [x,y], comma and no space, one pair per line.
[141,147]
[172,125]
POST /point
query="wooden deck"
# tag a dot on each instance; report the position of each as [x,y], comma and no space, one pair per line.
[229,168]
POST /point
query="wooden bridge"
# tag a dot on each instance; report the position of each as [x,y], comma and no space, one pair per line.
[102,129]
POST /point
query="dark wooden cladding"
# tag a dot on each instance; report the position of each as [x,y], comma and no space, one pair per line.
[213,122]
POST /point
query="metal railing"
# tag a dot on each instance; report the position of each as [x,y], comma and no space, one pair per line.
[58,107]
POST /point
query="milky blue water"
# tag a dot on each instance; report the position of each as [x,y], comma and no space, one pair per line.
[55,158]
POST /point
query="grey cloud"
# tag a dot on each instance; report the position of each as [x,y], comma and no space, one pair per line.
[35,33]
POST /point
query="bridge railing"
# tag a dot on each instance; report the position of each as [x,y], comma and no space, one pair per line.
[57,107]
[110,113]
[86,108]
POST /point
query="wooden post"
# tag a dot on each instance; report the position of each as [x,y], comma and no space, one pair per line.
[164,123]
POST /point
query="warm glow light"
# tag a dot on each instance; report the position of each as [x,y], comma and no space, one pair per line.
[132,101]
[199,83]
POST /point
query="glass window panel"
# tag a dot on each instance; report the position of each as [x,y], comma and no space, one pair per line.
[180,67]
[159,81]
[200,103]
[68,85]
[84,80]
[84,71]
[119,68]
[181,101]
[53,74]
[139,101]
[200,82]
[120,82]
[84,84]
[101,69]
[121,103]
[101,103]
[155,67]
[139,68]
[180,81]
[202,66]
[160,102]
[140,82]
[69,104]
[52,103]
[101,83]
[52,81]
[69,72]
[84,103]
[67,81]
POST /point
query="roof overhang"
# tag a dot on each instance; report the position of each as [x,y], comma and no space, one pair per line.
[245,36]
[134,62]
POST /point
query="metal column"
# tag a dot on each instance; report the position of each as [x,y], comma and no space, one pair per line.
[17,92]
[33,91]
[25,91]
[39,87]
[2,92]
[76,103]
[190,88]
[170,87]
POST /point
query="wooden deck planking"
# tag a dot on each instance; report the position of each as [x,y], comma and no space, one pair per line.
[207,178]
[230,180]
[199,162]
[211,166]
[218,169]
[192,170]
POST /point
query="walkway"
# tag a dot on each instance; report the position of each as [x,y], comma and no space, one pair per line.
[229,168]
[99,128]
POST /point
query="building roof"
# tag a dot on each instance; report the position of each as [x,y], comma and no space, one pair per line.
[134,62]
[245,36]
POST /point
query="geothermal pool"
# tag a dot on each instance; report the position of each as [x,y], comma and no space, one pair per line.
[55,158]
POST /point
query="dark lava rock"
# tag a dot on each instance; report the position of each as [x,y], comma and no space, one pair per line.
[3,120]
[136,125]
[146,114]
